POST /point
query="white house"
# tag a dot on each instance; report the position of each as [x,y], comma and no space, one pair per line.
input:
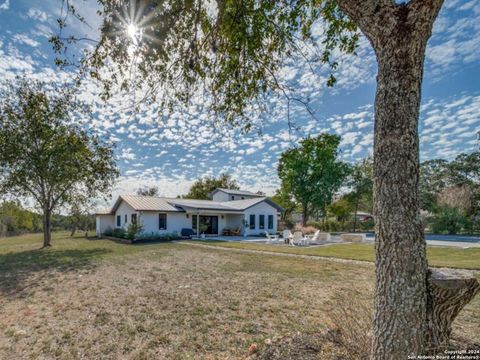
[232,210]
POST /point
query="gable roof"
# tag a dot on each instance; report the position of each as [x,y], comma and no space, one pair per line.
[152,203]
[235,192]
[146,203]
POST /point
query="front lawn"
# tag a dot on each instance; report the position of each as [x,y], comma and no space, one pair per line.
[97,299]
[437,256]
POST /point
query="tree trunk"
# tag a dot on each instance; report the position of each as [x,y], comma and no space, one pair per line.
[404,304]
[47,230]
[74,229]
[305,215]
[448,292]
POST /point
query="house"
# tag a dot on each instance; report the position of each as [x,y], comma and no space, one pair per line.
[229,209]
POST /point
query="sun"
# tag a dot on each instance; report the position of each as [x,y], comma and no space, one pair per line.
[133,32]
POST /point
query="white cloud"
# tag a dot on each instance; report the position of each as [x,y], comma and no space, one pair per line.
[37,14]
[5,5]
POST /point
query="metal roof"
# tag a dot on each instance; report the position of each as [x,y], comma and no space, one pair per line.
[146,203]
[151,203]
[235,192]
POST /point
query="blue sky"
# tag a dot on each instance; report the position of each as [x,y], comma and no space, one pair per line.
[171,151]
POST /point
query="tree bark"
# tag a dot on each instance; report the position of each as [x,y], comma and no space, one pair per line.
[305,215]
[448,292]
[398,34]
[47,230]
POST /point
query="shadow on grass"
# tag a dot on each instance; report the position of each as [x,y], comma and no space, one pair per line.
[23,272]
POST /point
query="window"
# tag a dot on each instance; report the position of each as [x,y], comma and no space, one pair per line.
[243,197]
[233,197]
[119,221]
[162,221]
[270,222]
[133,218]
[261,221]
[252,221]
[126,218]
[194,223]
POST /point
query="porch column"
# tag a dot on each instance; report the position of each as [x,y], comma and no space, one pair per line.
[198,224]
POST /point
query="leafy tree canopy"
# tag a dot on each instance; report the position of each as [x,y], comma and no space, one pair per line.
[44,155]
[312,172]
[148,191]
[233,50]
[204,186]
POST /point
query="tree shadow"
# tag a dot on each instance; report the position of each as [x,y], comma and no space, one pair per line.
[24,272]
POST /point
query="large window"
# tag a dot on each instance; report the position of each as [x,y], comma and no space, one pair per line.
[126,219]
[119,221]
[270,222]
[252,221]
[261,221]
[162,221]
[133,218]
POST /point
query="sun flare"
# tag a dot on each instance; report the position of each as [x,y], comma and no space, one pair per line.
[133,32]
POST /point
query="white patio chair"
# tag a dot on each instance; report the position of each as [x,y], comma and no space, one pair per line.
[272,238]
[287,234]
[297,238]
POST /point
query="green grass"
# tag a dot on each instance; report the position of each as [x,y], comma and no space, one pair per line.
[23,253]
[437,256]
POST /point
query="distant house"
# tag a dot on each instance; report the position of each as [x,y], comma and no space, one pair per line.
[251,213]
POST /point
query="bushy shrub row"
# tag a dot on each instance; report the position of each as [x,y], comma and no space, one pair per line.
[135,233]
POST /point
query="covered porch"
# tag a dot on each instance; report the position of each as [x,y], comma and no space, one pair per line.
[213,224]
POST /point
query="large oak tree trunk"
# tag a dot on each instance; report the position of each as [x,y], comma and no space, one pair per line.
[403,301]
[401,265]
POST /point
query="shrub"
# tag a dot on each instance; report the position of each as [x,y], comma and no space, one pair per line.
[133,230]
[119,233]
[449,220]
[305,229]
[158,237]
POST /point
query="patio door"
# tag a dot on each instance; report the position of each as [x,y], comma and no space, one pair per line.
[208,225]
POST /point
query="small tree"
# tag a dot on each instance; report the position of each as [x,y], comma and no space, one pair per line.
[204,186]
[313,173]
[45,156]
[148,191]
[361,181]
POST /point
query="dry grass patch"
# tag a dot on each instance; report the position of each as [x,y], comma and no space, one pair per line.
[167,301]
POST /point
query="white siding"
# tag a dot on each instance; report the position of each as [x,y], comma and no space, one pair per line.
[175,222]
[124,209]
[261,209]
[220,196]
[103,222]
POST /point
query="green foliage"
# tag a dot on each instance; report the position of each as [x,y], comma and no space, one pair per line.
[45,155]
[133,230]
[312,172]
[341,209]
[148,191]
[158,237]
[235,54]
[283,198]
[204,186]
[449,220]
[14,219]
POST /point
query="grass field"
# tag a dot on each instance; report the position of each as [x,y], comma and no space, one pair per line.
[437,256]
[99,299]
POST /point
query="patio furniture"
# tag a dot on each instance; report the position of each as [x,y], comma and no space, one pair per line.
[235,232]
[187,233]
[287,234]
[226,232]
[298,239]
[272,238]
[353,237]
[319,236]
